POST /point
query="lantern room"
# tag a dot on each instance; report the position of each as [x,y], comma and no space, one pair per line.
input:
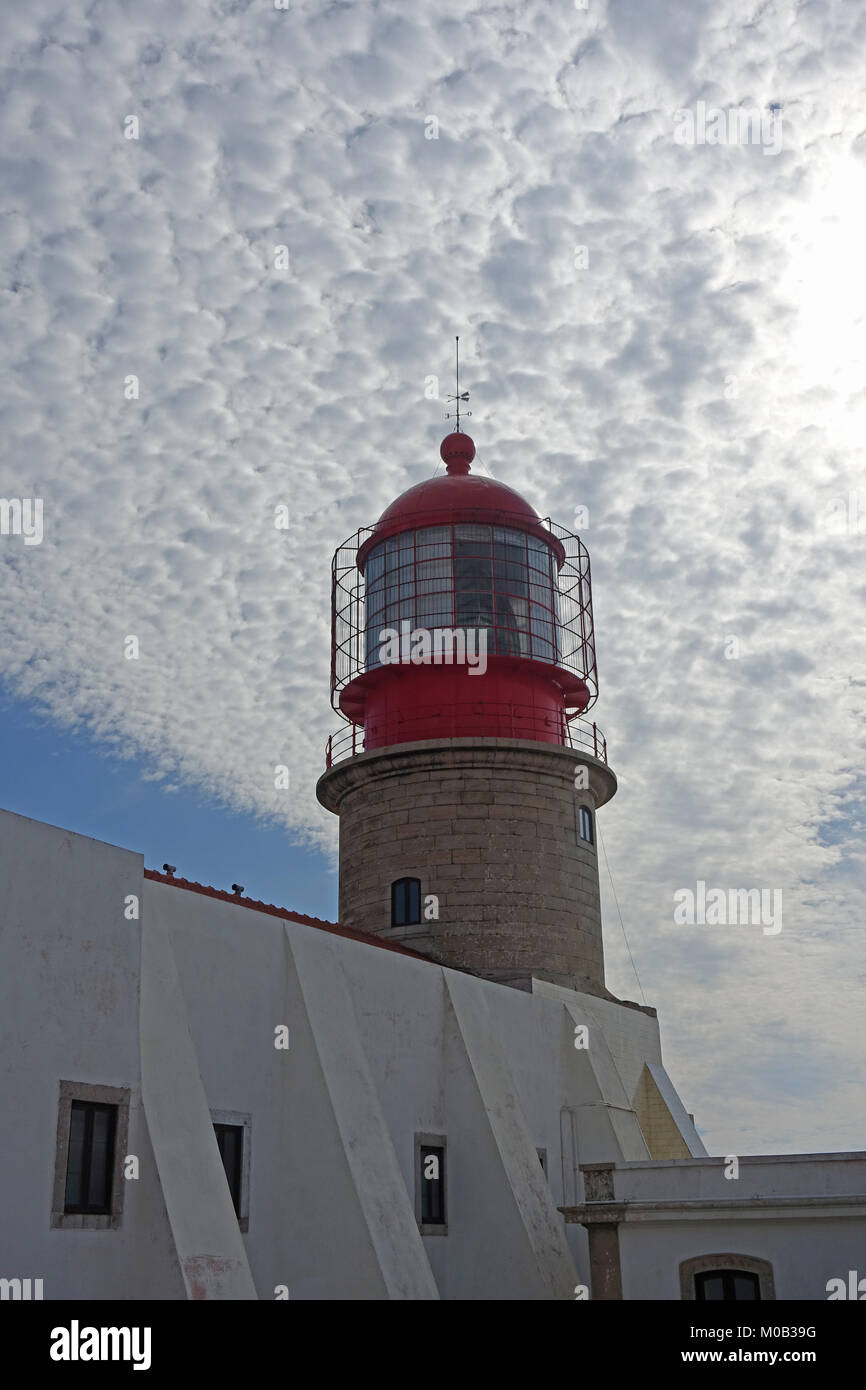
[461,613]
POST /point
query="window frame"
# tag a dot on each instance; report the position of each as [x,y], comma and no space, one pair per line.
[488,548]
[237,1119]
[726,1263]
[582,810]
[91,1108]
[408,921]
[422,1142]
[88,1094]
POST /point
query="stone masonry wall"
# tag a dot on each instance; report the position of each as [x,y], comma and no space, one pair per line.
[490,827]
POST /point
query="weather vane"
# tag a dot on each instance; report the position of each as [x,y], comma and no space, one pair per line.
[459,397]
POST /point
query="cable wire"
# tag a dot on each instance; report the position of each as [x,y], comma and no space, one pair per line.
[616,900]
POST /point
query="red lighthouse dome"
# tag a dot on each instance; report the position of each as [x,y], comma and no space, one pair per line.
[458,495]
[461,614]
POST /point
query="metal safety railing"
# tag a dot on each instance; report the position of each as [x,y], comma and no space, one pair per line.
[498,720]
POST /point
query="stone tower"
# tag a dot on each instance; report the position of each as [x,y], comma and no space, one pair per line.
[465,782]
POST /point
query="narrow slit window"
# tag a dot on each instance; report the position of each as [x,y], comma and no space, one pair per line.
[432,1181]
[230,1142]
[587,829]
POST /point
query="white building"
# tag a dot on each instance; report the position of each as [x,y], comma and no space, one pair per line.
[164,1002]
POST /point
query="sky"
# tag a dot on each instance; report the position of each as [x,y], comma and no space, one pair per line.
[237,242]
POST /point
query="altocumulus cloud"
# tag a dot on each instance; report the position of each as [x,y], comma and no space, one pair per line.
[664,334]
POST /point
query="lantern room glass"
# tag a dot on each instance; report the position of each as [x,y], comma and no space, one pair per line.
[490,578]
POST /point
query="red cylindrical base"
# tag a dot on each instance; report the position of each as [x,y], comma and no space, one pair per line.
[513,698]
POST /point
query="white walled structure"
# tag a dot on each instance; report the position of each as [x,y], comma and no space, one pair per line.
[801,1214]
[177,1008]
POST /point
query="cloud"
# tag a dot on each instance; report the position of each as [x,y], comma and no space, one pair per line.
[692,383]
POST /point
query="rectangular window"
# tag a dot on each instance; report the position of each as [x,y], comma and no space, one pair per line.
[431,1178]
[230,1142]
[233,1132]
[92,1136]
[90,1159]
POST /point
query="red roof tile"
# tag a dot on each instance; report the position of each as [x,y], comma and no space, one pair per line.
[366,937]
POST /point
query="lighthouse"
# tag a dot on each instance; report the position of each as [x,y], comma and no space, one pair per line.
[466,777]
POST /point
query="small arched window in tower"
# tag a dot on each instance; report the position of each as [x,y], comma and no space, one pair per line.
[586,827]
[405,902]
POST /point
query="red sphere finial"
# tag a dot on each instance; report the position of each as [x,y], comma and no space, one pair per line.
[457,451]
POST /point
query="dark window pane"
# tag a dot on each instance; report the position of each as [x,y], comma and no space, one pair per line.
[510,642]
[746,1286]
[727,1284]
[472,572]
[474,610]
[515,552]
[510,571]
[100,1153]
[516,587]
[432,1179]
[75,1159]
[230,1142]
[414,900]
[90,1158]
[405,902]
[710,1287]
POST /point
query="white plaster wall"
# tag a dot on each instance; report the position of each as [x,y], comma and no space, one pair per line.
[772,1175]
[632,1036]
[805,1253]
[305,1226]
[69,1009]
[69,964]
[424,1084]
